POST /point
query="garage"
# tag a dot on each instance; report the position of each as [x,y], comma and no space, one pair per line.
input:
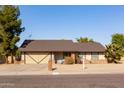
[36,58]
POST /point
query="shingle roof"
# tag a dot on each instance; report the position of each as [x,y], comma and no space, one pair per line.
[59,46]
[89,47]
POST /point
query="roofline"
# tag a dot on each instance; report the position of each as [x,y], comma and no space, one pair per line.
[61,51]
[23,49]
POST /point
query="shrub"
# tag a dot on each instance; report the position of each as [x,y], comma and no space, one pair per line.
[18,56]
[113,53]
[69,60]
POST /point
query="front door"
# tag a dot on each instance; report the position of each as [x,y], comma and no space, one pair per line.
[59,58]
[79,57]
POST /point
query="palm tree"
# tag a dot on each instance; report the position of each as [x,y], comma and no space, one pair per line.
[85,39]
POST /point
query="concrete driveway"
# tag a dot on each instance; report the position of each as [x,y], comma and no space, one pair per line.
[24,69]
[41,69]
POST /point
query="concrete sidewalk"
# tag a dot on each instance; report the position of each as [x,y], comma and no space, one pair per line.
[41,69]
[90,69]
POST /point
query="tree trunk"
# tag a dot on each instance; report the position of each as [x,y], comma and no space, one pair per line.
[12,59]
[6,59]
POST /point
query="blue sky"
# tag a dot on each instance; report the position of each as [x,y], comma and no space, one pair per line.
[70,22]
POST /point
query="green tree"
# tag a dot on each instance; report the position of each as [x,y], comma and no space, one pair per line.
[85,39]
[113,53]
[118,39]
[10,30]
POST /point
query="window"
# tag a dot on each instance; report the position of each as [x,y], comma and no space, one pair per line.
[82,55]
[67,54]
[94,56]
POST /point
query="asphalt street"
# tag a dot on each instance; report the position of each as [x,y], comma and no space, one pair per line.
[63,81]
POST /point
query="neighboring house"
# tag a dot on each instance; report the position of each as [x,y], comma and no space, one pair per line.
[41,51]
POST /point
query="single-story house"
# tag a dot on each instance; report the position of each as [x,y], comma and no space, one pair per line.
[41,51]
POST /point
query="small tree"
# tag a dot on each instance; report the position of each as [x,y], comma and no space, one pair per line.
[113,53]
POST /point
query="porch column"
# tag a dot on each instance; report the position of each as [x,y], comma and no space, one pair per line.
[50,62]
[73,56]
[24,58]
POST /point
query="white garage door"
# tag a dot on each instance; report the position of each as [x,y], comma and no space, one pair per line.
[37,58]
